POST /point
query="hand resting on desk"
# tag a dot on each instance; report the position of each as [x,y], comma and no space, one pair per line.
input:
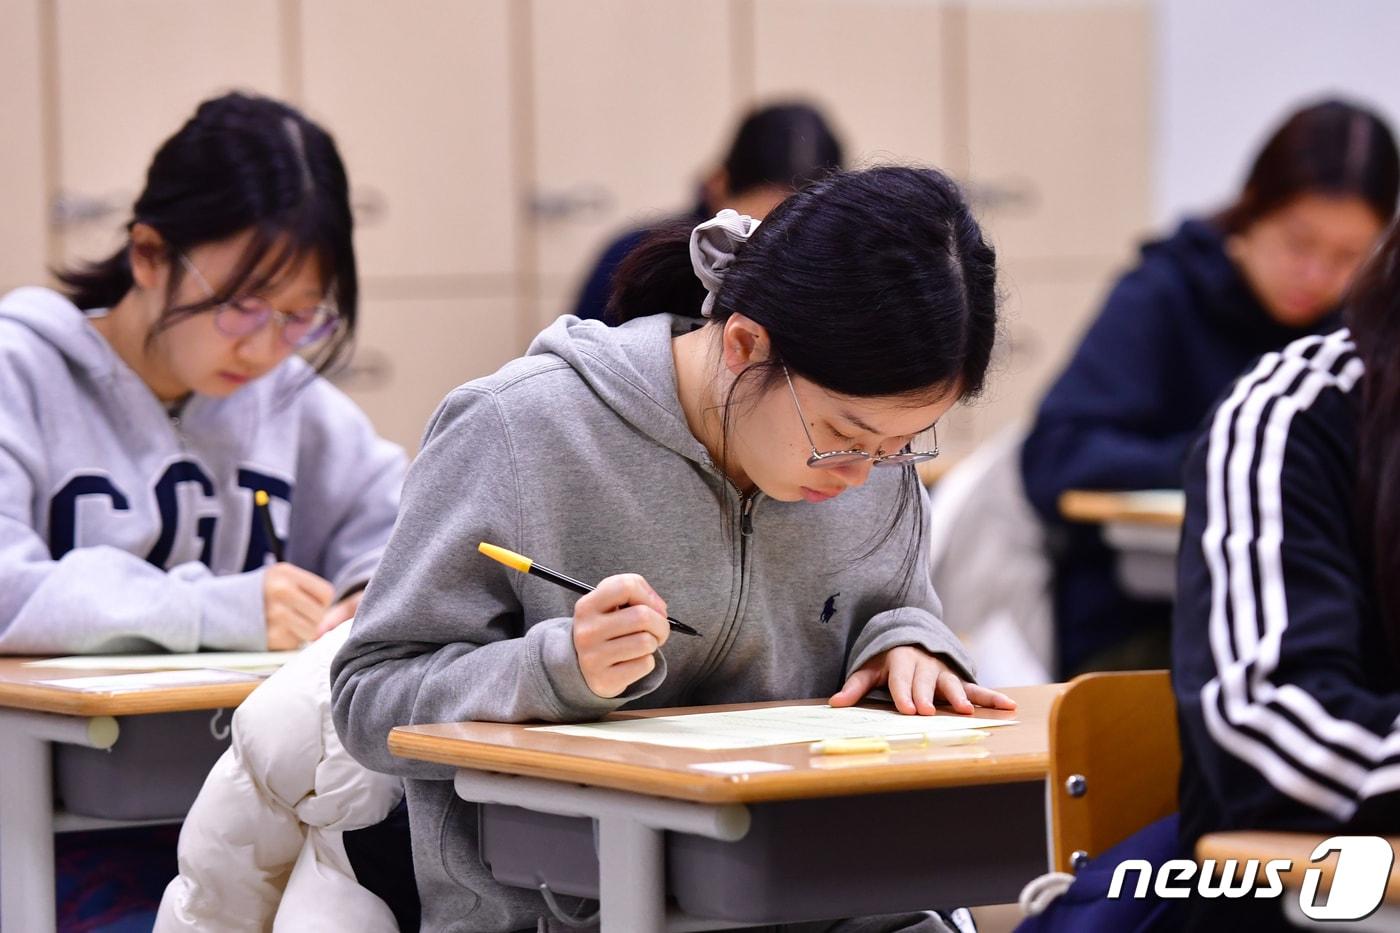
[915,680]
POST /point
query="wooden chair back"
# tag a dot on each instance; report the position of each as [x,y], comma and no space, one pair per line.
[1114,761]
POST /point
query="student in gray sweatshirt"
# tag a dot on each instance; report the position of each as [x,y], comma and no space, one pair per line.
[145,406]
[722,471]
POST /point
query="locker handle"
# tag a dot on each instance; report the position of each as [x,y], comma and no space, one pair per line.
[581,202]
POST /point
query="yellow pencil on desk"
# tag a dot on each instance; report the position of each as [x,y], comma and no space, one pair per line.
[876,743]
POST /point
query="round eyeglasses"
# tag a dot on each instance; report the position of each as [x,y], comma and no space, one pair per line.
[832,459]
[244,316]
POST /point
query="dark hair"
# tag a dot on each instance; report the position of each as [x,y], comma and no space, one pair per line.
[874,283]
[1373,313]
[869,283]
[1330,148]
[789,145]
[241,162]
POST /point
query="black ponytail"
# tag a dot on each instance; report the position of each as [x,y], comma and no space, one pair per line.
[869,283]
[656,277]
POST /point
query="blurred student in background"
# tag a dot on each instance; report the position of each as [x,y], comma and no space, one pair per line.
[151,399]
[173,390]
[777,149]
[1176,329]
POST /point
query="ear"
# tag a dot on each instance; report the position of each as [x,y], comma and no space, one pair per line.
[744,342]
[150,257]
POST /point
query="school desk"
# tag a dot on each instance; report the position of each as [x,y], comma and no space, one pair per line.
[35,716]
[973,816]
[1298,848]
[1142,527]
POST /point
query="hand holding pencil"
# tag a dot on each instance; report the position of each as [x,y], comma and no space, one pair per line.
[617,629]
[294,604]
[295,601]
[618,625]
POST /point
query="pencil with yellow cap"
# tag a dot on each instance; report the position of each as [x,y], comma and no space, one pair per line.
[262,503]
[525,565]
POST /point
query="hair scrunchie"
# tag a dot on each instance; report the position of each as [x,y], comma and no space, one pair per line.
[712,248]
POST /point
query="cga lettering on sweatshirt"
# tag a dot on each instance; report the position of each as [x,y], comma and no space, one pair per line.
[63,511]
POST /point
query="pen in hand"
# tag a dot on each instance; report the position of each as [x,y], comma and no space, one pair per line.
[526,565]
[261,502]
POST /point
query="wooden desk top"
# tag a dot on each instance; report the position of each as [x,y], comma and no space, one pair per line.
[1162,507]
[1297,847]
[20,689]
[1009,754]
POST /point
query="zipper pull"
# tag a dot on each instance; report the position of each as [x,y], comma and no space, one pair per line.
[746,517]
[173,411]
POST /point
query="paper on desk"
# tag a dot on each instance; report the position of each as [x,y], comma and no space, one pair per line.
[110,683]
[778,725]
[256,662]
[731,768]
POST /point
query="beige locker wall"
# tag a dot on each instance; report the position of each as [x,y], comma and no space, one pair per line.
[23,181]
[416,95]
[1057,137]
[1058,124]
[876,67]
[631,100]
[130,72]
[494,147]
[412,352]
[1034,348]
[419,99]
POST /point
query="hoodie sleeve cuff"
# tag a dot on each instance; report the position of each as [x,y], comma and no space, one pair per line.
[562,678]
[909,626]
[231,612]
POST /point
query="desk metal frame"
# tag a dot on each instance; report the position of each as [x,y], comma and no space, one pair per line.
[27,819]
[631,833]
[34,716]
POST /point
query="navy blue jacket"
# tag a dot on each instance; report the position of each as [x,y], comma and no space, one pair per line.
[1175,331]
[1287,693]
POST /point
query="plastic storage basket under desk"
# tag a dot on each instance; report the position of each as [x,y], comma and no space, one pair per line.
[808,859]
[154,772]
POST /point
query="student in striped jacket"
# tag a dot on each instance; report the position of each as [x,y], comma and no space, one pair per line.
[1286,632]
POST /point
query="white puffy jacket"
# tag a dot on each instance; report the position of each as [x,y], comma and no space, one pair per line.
[262,846]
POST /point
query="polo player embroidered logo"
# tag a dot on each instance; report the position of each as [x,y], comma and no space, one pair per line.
[829,609]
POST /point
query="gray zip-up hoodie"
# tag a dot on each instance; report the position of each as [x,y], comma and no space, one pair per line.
[124,527]
[578,455]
